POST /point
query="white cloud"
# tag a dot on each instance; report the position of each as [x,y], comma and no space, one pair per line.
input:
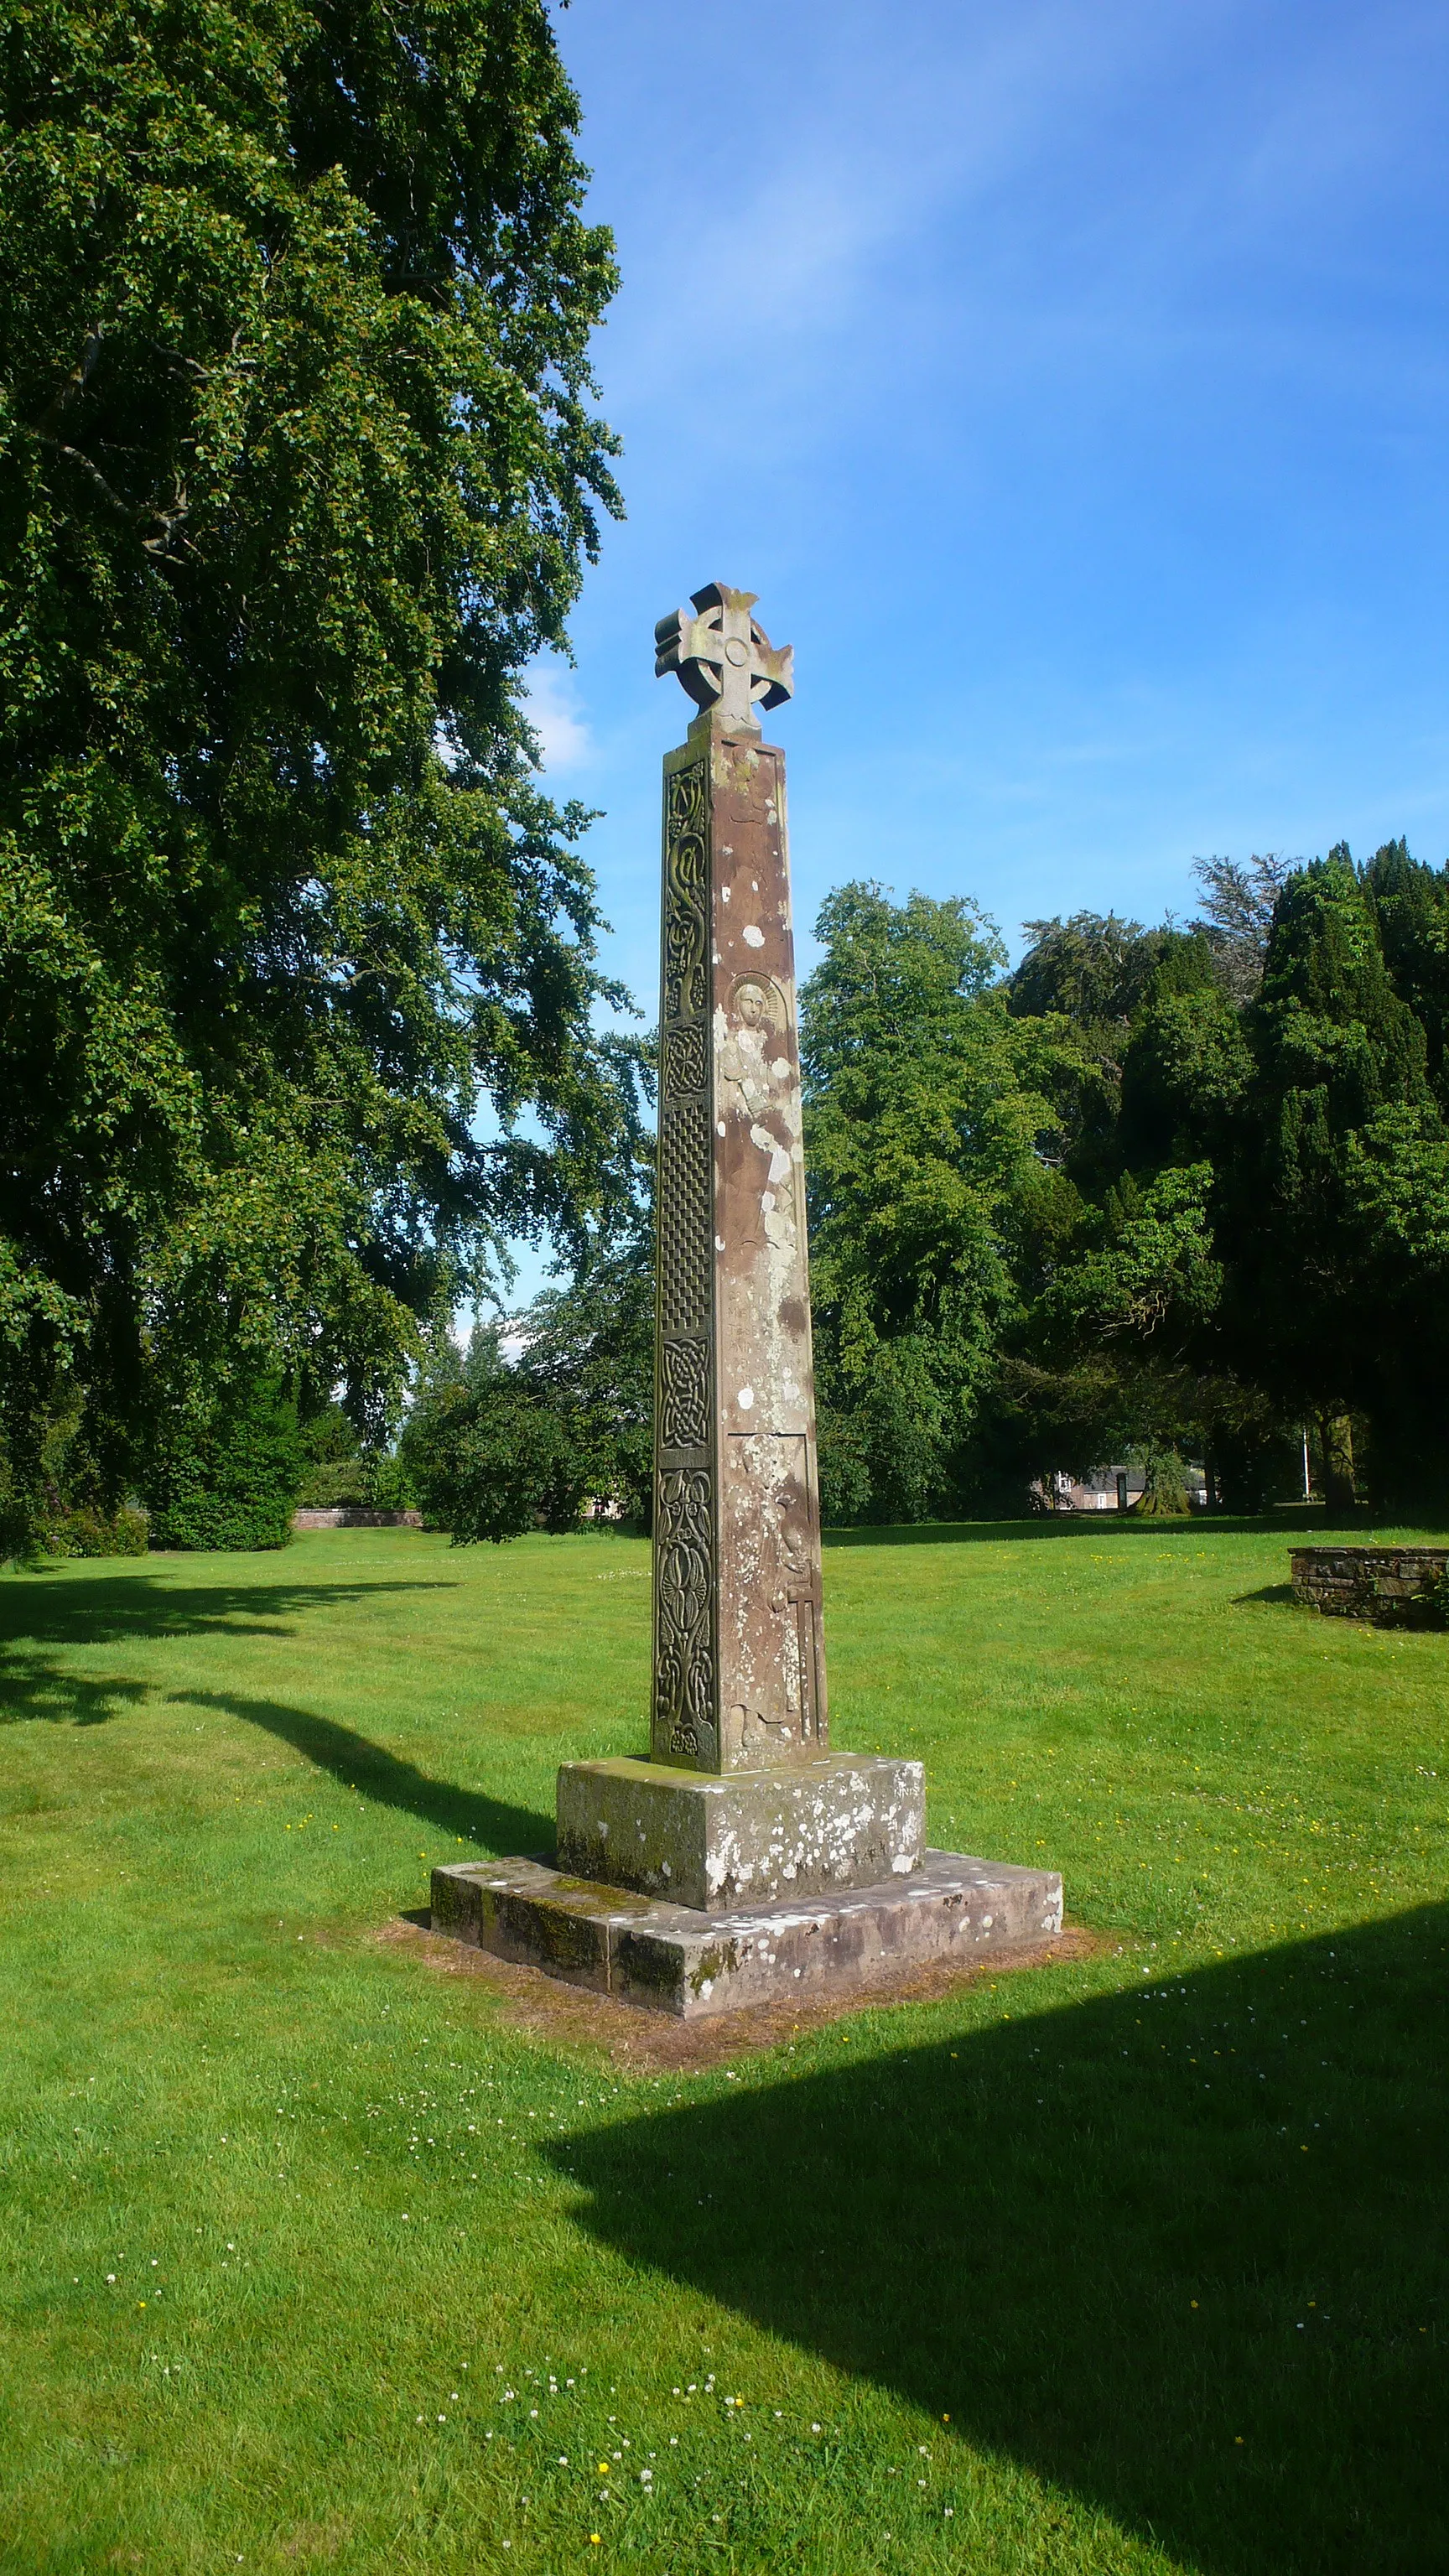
[555,713]
[752,246]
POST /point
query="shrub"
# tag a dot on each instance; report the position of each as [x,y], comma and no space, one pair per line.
[485,1457]
[357,1484]
[389,1485]
[334,1481]
[81,1530]
[485,1465]
[228,1479]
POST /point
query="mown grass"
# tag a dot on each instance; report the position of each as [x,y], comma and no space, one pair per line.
[315,2258]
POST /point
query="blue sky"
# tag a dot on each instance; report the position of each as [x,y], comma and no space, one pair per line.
[1070,380]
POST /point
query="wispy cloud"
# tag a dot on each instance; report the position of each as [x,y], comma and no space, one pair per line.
[763,230]
[556,715]
[1069,377]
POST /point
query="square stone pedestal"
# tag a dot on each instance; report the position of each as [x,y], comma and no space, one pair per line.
[745,1837]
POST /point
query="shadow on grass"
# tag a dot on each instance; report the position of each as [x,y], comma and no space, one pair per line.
[361,1765]
[1065,1526]
[117,1609]
[1095,2239]
[32,1688]
[46,1610]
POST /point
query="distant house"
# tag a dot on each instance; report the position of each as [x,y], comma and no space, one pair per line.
[1108,1489]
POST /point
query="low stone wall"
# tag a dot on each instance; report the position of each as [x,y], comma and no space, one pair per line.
[1397,1586]
[346,1516]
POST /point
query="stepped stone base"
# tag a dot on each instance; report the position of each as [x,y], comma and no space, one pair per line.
[681,1960]
[748,1838]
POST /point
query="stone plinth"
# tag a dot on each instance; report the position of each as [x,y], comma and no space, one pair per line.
[675,1959]
[745,1837]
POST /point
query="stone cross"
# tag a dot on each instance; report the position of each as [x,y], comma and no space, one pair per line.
[725,661]
[739,1676]
[743,1862]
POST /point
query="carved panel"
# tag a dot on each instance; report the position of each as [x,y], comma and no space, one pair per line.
[686,921]
[686,1058]
[684,1395]
[685,1725]
[686,1217]
[684,1588]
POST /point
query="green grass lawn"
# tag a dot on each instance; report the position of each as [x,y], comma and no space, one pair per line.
[316,2257]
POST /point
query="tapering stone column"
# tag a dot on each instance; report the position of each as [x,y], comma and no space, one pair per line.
[739,1671]
[743,1858]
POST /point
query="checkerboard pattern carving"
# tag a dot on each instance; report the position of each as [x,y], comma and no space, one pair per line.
[685,1215]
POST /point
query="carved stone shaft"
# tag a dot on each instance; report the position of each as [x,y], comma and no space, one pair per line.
[739,1674]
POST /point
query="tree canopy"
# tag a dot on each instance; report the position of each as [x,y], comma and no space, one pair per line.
[1159,1191]
[297,471]
[929,1126]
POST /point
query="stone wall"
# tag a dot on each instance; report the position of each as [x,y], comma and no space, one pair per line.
[349,1516]
[1397,1586]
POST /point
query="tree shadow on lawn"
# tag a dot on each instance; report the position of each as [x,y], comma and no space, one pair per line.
[1066,1526]
[39,1611]
[1107,2260]
[389,1782]
[31,1687]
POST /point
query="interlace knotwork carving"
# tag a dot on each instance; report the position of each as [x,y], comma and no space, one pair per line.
[686,927]
[684,1657]
[684,1395]
[685,1217]
[686,1058]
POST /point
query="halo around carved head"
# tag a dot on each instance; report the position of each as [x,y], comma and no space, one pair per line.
[722,657]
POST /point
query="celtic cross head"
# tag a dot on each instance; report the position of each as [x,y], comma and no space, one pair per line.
[725,661]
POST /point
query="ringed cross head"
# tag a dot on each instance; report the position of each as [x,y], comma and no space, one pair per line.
[723,658]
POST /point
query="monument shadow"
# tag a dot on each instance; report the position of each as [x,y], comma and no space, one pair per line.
[36,1615]
[1182,2250]
[359,1764]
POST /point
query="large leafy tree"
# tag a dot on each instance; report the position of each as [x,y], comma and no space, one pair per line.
[1265,1178]
[1239,899]
[551,1415]
[929,1127]
[297,471]
[1336,1216]
[482,1455]
[1116,1351]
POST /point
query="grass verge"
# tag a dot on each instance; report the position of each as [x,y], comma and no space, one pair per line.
[314,2257]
